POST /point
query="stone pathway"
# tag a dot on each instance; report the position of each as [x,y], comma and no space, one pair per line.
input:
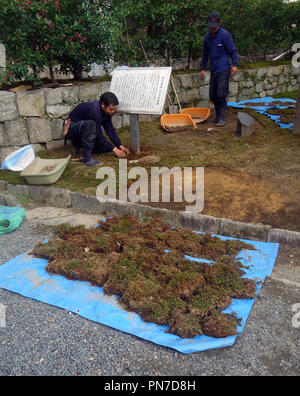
[53,216]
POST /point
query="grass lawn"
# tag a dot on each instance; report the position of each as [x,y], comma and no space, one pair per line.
[254,179]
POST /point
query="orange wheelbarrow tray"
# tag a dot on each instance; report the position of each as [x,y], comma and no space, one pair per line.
[177,122]
[198,114]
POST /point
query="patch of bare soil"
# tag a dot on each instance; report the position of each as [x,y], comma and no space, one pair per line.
[267,189]
[144,264]
[240,197]
[246,198]
[144,152]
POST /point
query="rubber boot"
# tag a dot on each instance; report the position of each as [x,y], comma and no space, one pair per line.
[76,149]
[222,113]
[216,120]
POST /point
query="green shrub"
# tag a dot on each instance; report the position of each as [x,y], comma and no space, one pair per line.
[64,35]
[175,28]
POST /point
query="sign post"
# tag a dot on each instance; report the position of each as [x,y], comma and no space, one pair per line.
[140,90]
[134,133]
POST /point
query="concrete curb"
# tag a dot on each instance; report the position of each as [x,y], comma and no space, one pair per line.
[90,204]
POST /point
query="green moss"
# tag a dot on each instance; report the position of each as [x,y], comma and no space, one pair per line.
[102,243]
[73,264]
[123,226]
[161,310]
[287,95]
[203,300]
[186,283]
[12,177]
[220,325]
[241,65]
[49,250]
[224,275]
[262,64]
[124,256]
[63,230]
[125,271]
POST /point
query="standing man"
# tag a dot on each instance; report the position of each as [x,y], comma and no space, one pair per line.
[218,47]
[85,129]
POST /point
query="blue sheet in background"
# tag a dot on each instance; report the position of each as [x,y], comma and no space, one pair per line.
[26,275]
[267,106]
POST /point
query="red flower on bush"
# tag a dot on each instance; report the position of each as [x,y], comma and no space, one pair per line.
[80,38]
[50,24]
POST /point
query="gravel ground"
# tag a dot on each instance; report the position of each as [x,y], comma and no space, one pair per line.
[43,340]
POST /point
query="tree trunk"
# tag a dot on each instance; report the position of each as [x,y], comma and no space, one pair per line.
[297,119]
[189,57]
[77,73]
[51,71]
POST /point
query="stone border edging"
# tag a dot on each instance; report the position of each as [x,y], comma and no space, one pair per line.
[89,204]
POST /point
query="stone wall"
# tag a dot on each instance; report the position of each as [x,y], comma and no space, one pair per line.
[247,84]
[36,117]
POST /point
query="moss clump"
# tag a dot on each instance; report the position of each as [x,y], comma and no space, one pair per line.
[144,263]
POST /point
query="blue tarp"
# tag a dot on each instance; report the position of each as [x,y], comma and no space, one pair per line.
[267,106]
[19,160]
[26,275]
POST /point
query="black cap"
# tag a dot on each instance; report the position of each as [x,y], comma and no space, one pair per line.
[213,20]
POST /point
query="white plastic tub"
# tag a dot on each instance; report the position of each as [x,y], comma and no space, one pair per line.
[45,171]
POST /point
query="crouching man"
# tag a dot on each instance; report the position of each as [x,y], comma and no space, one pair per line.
[85,129]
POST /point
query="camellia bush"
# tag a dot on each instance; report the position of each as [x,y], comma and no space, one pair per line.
[64,35]
[69,35]
[261,27]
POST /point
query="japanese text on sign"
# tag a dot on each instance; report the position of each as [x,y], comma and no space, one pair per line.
[141,90]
